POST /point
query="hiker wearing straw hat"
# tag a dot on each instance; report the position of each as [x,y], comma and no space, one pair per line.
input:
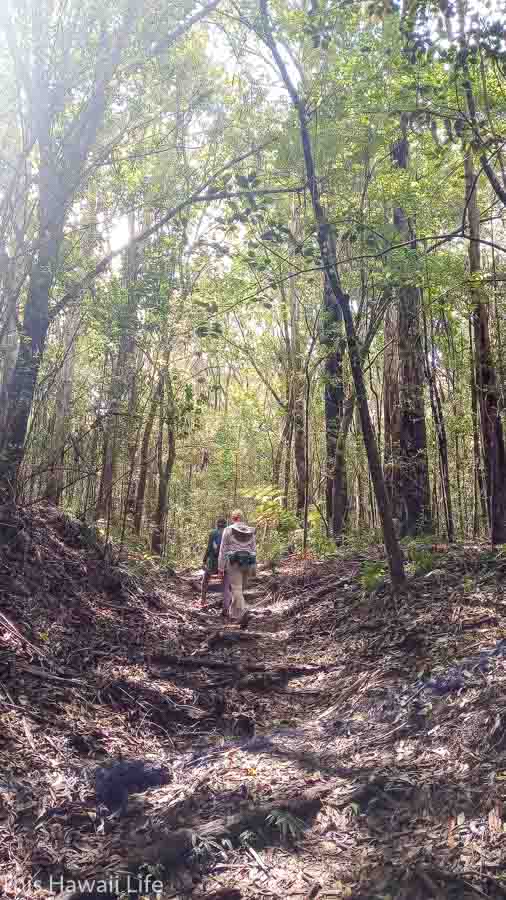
[237,559]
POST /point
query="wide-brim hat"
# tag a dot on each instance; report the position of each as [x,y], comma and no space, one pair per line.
[242,528]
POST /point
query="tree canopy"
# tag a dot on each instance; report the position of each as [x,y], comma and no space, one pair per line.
[254,253]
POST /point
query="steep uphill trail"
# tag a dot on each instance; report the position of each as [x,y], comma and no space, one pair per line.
[347,744]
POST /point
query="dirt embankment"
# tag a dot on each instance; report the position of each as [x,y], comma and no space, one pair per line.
[345,745]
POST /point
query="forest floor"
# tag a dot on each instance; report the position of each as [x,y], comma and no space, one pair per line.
[347,744]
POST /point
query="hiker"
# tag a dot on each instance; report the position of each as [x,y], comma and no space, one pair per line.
[210,561]
[237,559]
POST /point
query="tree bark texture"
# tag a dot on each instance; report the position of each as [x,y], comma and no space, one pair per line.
[485,373]
[63,410]
[391,409]
[336,482]
[442,440]
[166,459]
[144,459]
[414,487]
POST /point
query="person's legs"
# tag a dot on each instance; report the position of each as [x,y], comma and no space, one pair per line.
[205,582]
[227,597]
[236,579]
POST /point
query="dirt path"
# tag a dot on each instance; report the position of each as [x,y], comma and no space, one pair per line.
[344,745]
[383,784]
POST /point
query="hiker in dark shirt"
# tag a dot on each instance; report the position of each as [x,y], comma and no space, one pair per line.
[210,560]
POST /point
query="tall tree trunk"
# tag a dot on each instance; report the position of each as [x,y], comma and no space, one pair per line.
[391,409]
[144,458]
[288,465]
[442,440]
[122,387]
[165,464]
[458,470]
[21,389]
[299,447]
[9,346]
[278,456]
[336,483]
[63,409]
[9,338]
[413,435]
[133,422]
[413,459]
[361,475]
[296,369]
[486,377]
[326,242]
[480,498]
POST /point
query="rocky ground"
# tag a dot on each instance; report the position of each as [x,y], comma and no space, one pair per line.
[347,744]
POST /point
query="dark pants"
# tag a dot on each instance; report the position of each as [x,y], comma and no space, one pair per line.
[206,578]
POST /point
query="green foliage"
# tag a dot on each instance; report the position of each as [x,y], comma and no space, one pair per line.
[226,296]
[249,839]
[422,560]
[372,575]
[289,826]
[270,511]
[203,848]
[320,543]
[275,524]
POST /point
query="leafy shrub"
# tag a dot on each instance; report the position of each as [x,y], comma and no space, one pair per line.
[288,825]
[421,560]
[270,511]
[372,574]
[323,546]
[277,523]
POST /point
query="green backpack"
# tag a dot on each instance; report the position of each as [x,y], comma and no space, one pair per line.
[243,558]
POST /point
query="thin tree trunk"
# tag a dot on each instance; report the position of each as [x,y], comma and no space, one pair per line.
[21,389]
[326,243]
[278,456]
[413,460]
[458,469]
[165,465]
[442,440]
[144,458]
[288,465]
[297,386]
[9,345]
[133,424]
[336,485]
[391,409]
[63,409]
[486,377]
[299,446]
[119,427]
[480,495]
[340,509]
[435,505]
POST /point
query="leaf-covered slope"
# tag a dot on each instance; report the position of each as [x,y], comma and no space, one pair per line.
[346,742]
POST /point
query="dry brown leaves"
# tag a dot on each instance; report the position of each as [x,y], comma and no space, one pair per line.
[416,808]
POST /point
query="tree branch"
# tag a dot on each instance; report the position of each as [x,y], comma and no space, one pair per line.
[181,29]
[249,355]
[197,197]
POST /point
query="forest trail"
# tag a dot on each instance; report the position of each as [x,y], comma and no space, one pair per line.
[345,745]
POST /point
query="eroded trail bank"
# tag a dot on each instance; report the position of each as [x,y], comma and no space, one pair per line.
[345,745]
